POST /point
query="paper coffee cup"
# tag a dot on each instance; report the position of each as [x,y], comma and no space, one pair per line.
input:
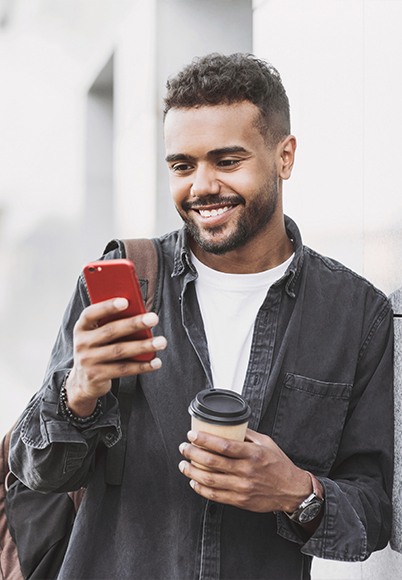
[220,412]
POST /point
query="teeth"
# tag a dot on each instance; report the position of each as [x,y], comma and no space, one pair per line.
[213,212]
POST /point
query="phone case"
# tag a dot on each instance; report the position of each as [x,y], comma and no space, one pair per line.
[117,278]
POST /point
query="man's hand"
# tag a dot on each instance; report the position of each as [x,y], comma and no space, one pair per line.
[255,475]
[98,358]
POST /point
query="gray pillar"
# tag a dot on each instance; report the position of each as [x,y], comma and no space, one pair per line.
[396,540]
[98,222]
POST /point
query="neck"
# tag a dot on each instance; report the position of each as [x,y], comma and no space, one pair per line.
[267,250]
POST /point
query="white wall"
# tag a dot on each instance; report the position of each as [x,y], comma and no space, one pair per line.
[135,119]
[50,53]
[340,62]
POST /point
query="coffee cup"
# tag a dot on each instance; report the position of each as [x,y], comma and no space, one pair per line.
[220,412]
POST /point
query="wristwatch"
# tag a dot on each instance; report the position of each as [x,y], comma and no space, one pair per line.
[309,509]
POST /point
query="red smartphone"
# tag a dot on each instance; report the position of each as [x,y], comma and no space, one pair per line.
[117,278]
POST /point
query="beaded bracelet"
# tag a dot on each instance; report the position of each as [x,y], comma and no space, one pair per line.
[79,422]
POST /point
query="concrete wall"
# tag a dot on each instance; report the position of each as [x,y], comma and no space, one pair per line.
[340,61]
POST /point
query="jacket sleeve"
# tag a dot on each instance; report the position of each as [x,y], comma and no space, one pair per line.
[358,489]
[47,453]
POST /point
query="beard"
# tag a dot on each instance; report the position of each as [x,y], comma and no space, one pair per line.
[255,217]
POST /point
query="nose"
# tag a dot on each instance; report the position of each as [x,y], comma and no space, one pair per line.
[205,182]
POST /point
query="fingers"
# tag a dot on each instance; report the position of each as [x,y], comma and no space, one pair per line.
[212,453]
[216,479]
[107,346]
[91,315]
[120,351]
[112,311]
[218,445]
[117,338]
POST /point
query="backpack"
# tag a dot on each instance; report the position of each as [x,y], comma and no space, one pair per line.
[35,528]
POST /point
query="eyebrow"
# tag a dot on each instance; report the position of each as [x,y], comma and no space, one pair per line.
[213,153]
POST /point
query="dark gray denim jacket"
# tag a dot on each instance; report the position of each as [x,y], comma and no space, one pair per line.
[319,382]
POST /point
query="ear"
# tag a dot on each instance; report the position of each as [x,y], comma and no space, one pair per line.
[286,156]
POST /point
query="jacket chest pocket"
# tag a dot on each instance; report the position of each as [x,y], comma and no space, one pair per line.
[309,421]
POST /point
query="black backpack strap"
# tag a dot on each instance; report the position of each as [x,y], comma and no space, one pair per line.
[146,254]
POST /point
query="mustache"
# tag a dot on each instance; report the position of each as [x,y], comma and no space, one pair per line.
[214,199]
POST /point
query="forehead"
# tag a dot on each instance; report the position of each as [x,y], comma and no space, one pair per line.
[211,127]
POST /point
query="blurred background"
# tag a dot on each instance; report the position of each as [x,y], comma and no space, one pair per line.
[81,151]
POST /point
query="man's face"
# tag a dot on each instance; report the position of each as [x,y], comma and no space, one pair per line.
[223,174]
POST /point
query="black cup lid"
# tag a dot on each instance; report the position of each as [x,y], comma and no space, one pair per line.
[220,406]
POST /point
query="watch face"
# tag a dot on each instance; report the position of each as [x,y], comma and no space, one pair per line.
[310,512]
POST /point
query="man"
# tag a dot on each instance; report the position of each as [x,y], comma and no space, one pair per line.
[247,307]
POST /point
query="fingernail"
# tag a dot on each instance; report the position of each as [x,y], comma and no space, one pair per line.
[156,363]
[182,465]
[150,319]
[192,436]
[192,483]
[120,303]
[159,342]
[182,447]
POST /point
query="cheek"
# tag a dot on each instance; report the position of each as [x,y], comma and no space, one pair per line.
[179,190]
[244,184]
[249,180]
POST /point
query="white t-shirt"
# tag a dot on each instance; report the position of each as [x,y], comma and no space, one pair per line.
[229,305]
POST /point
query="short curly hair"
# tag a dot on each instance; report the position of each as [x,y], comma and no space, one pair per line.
[217,79]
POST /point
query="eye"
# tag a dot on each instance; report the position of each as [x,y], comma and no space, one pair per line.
[180,167]
[228,162]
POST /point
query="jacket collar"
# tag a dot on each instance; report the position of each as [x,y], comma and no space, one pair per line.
[182,261]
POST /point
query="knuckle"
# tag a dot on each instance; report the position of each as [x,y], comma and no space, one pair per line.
[85,361]
[145,367]
[79,345]
[249,474]
[209,480]
[134,323]
[118,351]
[83,319]
[257,455]
[243,500]
[106,332]
[259,452]
[210,461]
[212,495]
[124,369]
[226,446]
[248,487]
[91,375]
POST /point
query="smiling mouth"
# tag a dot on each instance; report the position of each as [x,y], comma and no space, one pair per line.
[206,213]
